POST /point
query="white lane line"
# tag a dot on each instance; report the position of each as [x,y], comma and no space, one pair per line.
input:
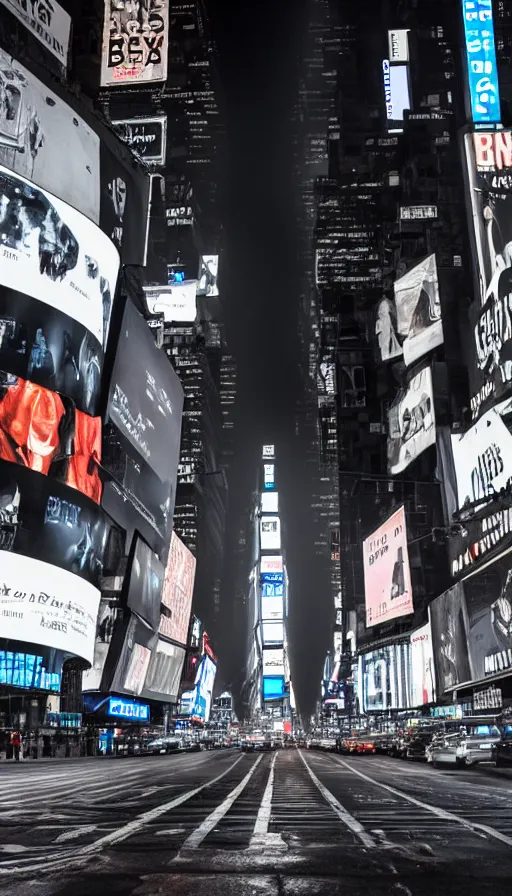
[352,823]
[196,837]
[264,812]
[473,826]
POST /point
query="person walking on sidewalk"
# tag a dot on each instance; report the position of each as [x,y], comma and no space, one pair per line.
[16,745]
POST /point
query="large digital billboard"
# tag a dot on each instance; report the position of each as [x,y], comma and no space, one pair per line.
[145,581]
[108,614]
[177,302]
[488,157]
[197,703]
[208,274]
[423,688]
[481,61]
[418,310]
[26,670]
[398,42]
[146,136]
[483,456]
[270,533]
[396,90]
[164,672]
[271,563]
[383,678]
[268,475]
[133,660]
[47,21]
[387,576]
[273,662]
[273,633]
[270,502]
[271,608]
[43,604]
[273,687]
[412,424]
[177,591]
[135,42]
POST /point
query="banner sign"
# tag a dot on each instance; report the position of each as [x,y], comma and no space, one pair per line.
[135,42]
[146,136]
[481,61]
[47,20]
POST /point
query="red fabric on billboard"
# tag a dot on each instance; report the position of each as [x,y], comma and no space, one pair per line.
[82,474]
[29,425]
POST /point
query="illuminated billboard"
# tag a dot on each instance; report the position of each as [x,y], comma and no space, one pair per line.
[177,591]
[177,302]
[396,90]
[25,670]
[270,502]
[268,451]
[268,475]
[135,42]
[271,608]
[272,584]
[273,662]
[273,633]
[208,273]
[387,576]
[481,61]
[47,21]
[272,563]
[411,422]
[422,667]
[273,687]
[398,42]
[145,136]
[270,533]
[43,604]
[418,310]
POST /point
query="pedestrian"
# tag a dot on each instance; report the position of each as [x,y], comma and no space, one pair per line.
[16,744]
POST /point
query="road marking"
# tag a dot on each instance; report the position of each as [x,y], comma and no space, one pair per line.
[264,812]
[473,826]
[116,836]
[74,833]
[196,837]
[352,823]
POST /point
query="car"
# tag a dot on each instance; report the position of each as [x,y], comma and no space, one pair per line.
[501,751]
[165,745]
[471,745]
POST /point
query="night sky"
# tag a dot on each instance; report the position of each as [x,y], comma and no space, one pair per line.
[259,46]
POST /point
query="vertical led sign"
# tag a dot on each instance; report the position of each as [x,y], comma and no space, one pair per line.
[481,61]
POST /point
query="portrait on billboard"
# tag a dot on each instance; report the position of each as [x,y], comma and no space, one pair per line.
[449,624]
[418,310]
[177,591]
[208,274]
[411,422]
[387,575]
[135,42]
[30,116]
[386,331]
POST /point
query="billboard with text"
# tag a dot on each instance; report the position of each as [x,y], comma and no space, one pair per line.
[387,576]
[135,42]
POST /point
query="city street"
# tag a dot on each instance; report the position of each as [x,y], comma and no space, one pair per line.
[229,823]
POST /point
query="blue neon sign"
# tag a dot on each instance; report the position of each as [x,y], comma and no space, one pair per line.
[481,59]
[24,670]
[127,709]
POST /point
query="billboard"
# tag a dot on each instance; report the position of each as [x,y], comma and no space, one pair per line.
[271,563]
[208,273]
[386,331]
[384,677]
[411,422]
[145,136]
[449,625]
[270,502]
[43,604]
[146,576]
[273,633]
[197,703]
[164,672]
[135,42]
[133,662]
[26,670]
[483,457]
[271,607]
[418,310]
[177,591]
[273,687]
[268,475]
[422,667]
[268,451]
[47,21]
[128,709]
[273,662]
[387,576]
[176,302]
[124,201]
[272,584]
[41,431]
[488,158]
[398,42]
[270,533]
[30,116]
[396,90]
[481,61]
[108,613]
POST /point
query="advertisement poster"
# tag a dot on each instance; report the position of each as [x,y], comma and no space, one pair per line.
[488,596]
[39,431]
[108,613]
[146,400]
[53,253]
[164,672]
[132,666]
[412,424]
[145,584]
[488,157]
[386,331]
[384,678]
[176,302]
[483,457]
[270,533]
[42,519]
[145,136]
[208,274]
[47,21]
[423,689]
[45,605]
[135,42]
[30,115]
[273,662]
[124,201]
[418,310]
[273,633]
[449,625]
[271,563]
[387,576]
[177,591]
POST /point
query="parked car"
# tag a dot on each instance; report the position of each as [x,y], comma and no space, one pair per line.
[417,743]
[471,745]
[163,745]
[502,749]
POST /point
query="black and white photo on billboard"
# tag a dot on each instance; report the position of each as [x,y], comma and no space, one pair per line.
[418,310]
[450,626]
[48,521]
[488,158]
[146,399]
[176,302]
[412,424]
[145,136]
[386,331]
[135,42]
[145,582]
[208,274]
[132,666]
[46,20]
[483,457]
[48,347]
[46,605]
[488,596]
[44,140]
[124,202]
[53,253]
[384,678]
[164,672]
[108,613]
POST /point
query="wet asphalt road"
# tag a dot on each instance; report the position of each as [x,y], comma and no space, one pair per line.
[230,824]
